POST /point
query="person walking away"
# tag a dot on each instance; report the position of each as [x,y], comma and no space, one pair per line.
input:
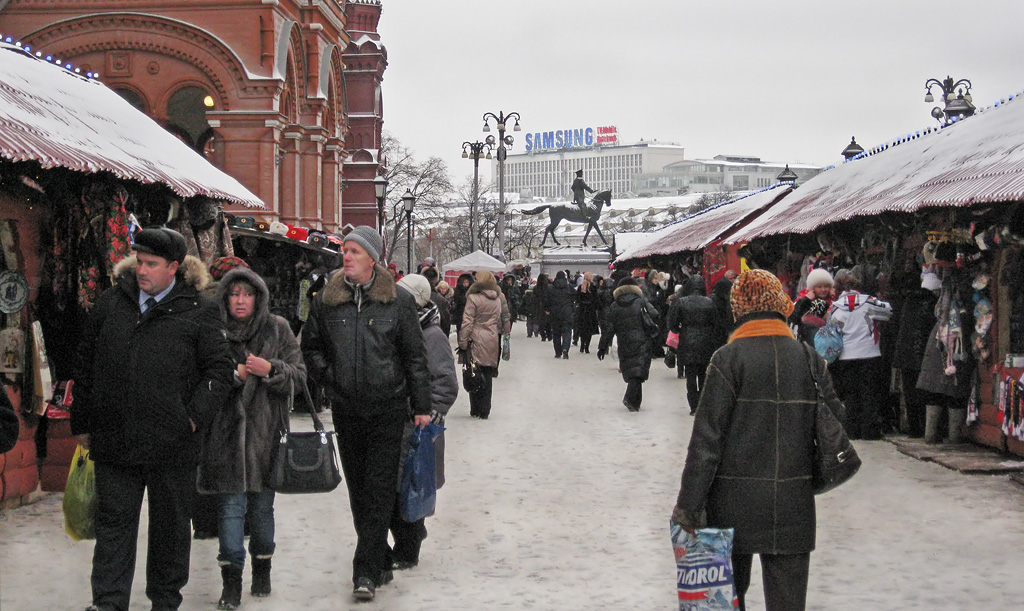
[558,307]
[543,323]
[459,299]
[444,389]
[153,368]
[810,309]
[858,374]
[483,323]
[363,343]
[748,465]
[625,324]
[587,306]
[510,290]
[693,317]
[237,448]
[443,311]
[916,321]
[529,308]
[720,294]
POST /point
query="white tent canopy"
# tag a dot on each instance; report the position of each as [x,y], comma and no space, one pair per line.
[475,262]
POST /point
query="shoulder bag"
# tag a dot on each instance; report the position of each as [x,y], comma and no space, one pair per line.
[472,377]
[307,461]
[651,326]
[835,459]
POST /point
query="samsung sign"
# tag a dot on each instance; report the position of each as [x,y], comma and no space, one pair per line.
[572,138]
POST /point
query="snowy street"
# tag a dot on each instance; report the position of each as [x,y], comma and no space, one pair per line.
[561,500]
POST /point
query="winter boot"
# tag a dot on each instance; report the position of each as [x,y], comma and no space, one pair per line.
[957,418]
[260,577]
[933,414]
[231,595]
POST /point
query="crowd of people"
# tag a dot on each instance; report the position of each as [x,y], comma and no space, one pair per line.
[184,385]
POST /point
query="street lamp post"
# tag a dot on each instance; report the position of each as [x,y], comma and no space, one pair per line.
[408,200]
[501,119]
[956,98]
[474,152]
[380,189]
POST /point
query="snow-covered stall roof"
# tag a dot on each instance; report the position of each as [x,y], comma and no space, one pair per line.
[698,230]
[975,160]
[475,261]
[62,119]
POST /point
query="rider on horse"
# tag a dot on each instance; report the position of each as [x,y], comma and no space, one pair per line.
[578,187]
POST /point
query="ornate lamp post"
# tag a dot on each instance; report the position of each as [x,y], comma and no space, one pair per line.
[474,152]
[380,189]
[408,200]
[956,98]
[852,150]
[501,119]
[787,176]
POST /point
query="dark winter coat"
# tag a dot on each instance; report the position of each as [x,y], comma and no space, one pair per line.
[808,316]
[625,324]
[459,298]
[588,305]
[530,304]
[142,381]
[695,319]
[240,442]
[444,384]
[558,303]
[720,294]
[443,311]
[9,424]
[511,292]
[751,451]
[366,348]
[916,321]
[486,319]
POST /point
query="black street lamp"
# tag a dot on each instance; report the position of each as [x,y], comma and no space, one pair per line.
[956,98]
[474,152]
[501,119]
[408,200]
[787,176]
[380,189]
[852,150]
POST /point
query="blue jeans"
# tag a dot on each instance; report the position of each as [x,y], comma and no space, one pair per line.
[233,509]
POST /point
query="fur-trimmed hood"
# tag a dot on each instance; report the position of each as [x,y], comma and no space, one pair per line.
[382,290]
[480,287]
[627,289]
[192,271]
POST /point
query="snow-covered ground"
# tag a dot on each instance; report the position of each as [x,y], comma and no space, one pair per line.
[561,501]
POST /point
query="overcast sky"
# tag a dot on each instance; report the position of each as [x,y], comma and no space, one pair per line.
[787,81]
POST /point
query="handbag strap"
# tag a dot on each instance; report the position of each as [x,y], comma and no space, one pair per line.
[318,426]
[810,367]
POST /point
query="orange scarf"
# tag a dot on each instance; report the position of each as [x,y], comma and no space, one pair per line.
[761,328]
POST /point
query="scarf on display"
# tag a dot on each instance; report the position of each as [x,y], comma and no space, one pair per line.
[762,327]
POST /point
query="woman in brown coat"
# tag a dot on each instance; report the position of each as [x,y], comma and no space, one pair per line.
[484,320]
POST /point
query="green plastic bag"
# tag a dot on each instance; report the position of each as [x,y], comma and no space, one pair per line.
[80,497]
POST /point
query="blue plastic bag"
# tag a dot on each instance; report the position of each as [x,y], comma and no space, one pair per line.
[704,569]
[828,341]
[418,492]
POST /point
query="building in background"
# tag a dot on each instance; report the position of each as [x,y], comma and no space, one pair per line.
[723,173]
[284,96]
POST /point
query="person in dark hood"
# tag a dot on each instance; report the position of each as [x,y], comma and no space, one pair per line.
[235,458]
[724,320]
[587,307]
[625,324]
[694,318]
[542,287]
[558,307]
[459,299]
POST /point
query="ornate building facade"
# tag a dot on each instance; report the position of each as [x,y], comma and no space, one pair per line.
[283,95]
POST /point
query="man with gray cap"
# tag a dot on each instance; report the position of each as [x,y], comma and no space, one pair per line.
[362,342]
[153,366]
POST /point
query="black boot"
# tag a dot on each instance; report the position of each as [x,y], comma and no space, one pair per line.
[260,577]
[231,595]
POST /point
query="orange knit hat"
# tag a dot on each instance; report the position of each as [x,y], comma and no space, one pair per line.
[759,291]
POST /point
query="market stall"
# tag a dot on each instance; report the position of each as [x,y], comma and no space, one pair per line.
[80,168]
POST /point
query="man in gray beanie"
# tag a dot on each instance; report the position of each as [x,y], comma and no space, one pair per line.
[363,344]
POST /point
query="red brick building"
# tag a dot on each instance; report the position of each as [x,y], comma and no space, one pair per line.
[283,95]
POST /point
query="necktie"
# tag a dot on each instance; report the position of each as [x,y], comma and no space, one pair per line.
[149,304]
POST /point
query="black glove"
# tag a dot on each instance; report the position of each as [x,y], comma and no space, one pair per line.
[601,354]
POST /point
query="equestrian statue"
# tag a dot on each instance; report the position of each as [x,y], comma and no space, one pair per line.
[588,213]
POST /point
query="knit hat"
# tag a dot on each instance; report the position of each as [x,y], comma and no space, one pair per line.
[368,238]
[759,291]
[223,265]
[819,277]
[418,287]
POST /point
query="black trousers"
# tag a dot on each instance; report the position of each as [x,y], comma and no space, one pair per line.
[562,334]
[634,392]
[695,377]
[860,385]
[371,451]
[408,537]
[119,492]
[480,401]
[784,577]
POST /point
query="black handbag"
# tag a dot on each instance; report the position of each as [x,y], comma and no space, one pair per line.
[472,377]
[305,462]
[835,459]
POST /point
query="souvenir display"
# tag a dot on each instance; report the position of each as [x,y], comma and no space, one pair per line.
[13,292]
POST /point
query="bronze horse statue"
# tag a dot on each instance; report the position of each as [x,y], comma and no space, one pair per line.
[570,212]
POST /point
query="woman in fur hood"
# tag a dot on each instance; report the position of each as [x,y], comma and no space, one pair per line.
[239,444]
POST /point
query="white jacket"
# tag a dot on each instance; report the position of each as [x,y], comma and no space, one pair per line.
[858,316]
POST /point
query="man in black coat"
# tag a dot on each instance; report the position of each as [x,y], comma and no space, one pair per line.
[558,300]
[364,344]
[625,322]
[154,365]
[694,318]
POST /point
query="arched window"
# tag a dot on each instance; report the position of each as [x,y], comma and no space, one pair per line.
[187,110]
[132,98]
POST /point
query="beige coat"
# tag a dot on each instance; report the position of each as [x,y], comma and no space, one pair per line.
[485,318]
